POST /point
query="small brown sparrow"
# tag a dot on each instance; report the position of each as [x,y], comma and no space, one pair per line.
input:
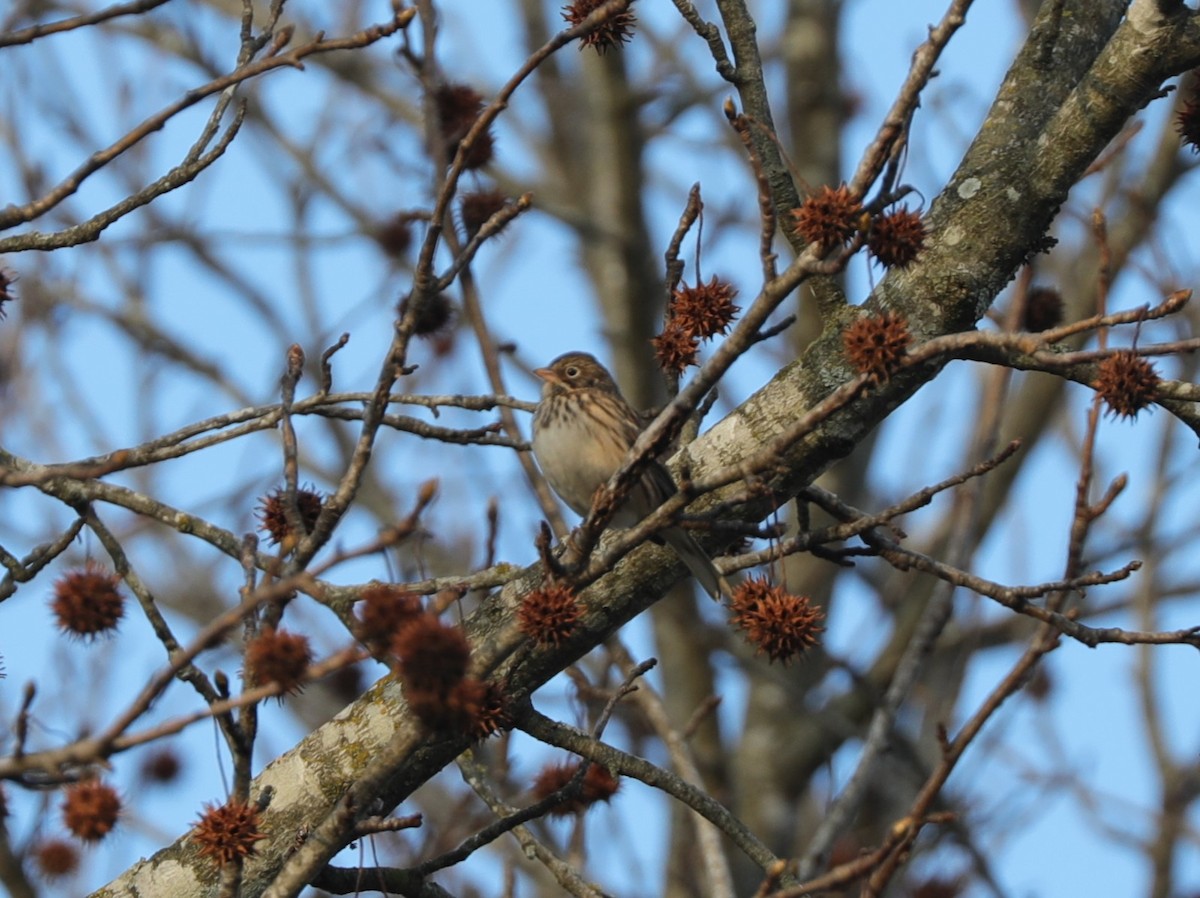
[582,431]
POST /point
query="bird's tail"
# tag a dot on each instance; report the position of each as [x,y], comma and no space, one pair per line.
[698,562]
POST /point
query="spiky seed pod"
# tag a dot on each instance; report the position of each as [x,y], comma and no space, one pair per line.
[429,707]
[458,106]
[434,319]
[476,207]
[553,777]
[90,810]
[225,833]
[452,711]
[433,656]
[273,517]
[7,279]
[481,152]
[675,349]
[383,609]
[705,310]
[896,238]
[775,622]
[549,615]
[1187,121]
[87,603]
[829,218]
[495,715]
[1126,382]
[598,785]
[395,236]
[613,32]
[1043,310]
[875,345]
[161,766]
[277,656]
[55,859]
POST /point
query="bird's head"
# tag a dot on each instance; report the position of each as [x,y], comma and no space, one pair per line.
[574,371]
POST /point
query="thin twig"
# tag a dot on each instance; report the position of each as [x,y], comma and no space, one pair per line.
[14,215]
[33,32]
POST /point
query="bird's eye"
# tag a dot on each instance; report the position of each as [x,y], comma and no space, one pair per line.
[572,371]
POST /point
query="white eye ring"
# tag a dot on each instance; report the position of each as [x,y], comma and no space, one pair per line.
[572,371]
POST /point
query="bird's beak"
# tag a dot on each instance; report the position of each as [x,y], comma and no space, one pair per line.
[548,375]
